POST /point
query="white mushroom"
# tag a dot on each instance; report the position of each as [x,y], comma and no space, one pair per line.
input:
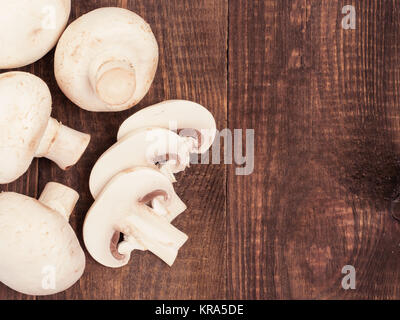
[188,118]
[30,29]
[27,131]
[152,147]
[40,252]
[123,207]
[106,60]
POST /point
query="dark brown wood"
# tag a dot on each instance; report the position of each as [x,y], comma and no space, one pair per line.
[325,105]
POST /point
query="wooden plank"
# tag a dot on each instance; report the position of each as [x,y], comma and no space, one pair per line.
[192,66]
[325,106]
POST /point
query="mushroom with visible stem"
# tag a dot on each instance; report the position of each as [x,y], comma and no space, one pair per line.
[189,119]
[153,147]
[30,29]
[40,252]
[123,207]
[27,131]
[106,60]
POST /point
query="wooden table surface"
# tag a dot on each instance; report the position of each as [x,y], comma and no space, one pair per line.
[325,106]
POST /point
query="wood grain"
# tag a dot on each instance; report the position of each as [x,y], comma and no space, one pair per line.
[324,103]
[325,106]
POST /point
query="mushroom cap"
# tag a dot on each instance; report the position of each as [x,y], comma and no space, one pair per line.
[139,148]
[101,36]
[119,199]
[25,108]
[184,114]
[33,240]
[30,29]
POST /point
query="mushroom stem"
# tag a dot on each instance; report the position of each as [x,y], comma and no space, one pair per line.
[59,198]
[154,233]
[62,145]
[168,172]
[128,245]
[159,207]
[114,82]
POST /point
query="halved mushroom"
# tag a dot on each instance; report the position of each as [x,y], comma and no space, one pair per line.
[122,208]
[191,120]
[30,29]
[27,131]
[153,147]
[40,252]
[106,60]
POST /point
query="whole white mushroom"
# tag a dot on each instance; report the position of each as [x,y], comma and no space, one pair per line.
[106,60]
[40,252]
[27,131]
[30,29]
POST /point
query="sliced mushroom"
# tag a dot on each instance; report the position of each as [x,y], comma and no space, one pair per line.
[191,120]
[40,252]
[122,207]
[27,131]
[30,29]
[106,60]
[153,147]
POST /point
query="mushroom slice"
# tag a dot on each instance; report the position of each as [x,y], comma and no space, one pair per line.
[27,131]
[30,29]
[122,207]
[40,252]
[153,147]
[106,60]
[191,120]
